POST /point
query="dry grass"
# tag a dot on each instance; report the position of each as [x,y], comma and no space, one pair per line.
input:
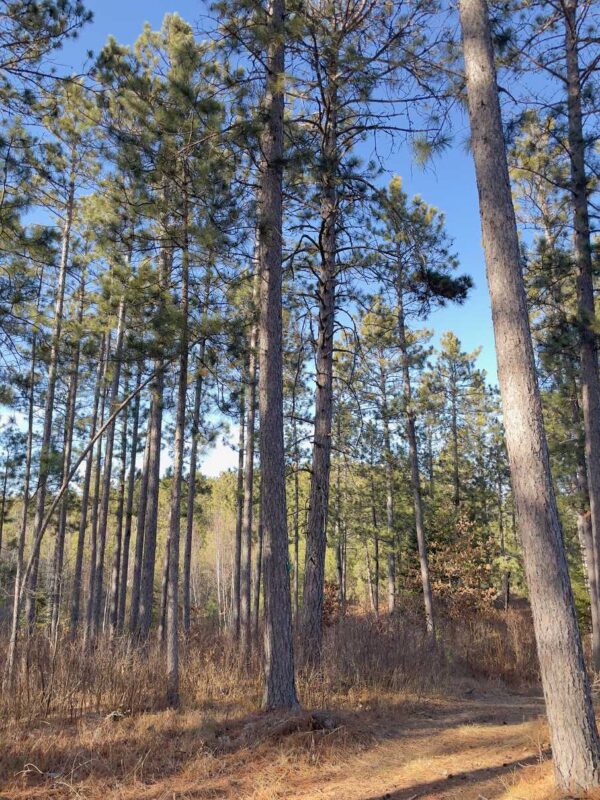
[403,721]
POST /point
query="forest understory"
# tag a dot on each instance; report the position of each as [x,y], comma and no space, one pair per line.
[384,717]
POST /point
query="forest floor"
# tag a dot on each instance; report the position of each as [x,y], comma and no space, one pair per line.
[477,745]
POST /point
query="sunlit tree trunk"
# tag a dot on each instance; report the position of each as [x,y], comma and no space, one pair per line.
[588,348]
[573,734]
[280,688]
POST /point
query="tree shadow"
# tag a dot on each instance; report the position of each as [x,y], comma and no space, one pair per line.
[454,781]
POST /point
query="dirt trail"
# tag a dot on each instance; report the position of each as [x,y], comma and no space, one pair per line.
[474,749]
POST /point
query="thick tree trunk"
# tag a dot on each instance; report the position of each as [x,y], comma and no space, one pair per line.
[45,446]
[280,688]
[588,349]
[85,499]
[415,473]
[575,745]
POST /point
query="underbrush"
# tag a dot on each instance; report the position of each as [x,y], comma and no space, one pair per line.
[364,658]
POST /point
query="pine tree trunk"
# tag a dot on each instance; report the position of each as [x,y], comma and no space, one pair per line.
[588,349]
[258,573]
[454,431]
[239,497]
[191,498]
[191,489]
[246,555]
[134,611]
[151,516]
[85,498]
[9,669]
[176,485]
[389,495]
[129,510]
[89,617]
[45,446]
[106,478]
[280,689]
[296,523]
[586,542]
[59,549]
[311,615]
[115,570]
[415,474]
[573,734]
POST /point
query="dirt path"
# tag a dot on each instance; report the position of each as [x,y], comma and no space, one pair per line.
[471,750]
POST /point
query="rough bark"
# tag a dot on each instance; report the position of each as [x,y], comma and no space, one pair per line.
[573,734]
[280,689]
[588,348]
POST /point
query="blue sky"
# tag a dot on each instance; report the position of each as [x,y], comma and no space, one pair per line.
[448,183]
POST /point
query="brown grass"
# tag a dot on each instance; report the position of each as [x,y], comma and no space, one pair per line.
[402,722]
